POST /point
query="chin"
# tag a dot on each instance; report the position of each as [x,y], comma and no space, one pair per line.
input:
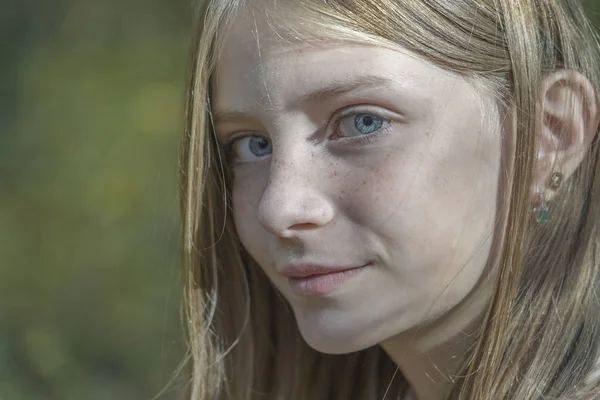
[327,346]
[336,338]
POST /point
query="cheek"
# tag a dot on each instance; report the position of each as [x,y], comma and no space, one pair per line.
[436,182]
[432,204]
[247,189]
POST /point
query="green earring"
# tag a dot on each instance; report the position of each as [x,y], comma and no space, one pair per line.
[542,210]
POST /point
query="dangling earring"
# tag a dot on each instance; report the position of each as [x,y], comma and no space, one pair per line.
[542,210]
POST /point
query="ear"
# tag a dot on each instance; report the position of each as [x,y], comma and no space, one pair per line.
[570,121]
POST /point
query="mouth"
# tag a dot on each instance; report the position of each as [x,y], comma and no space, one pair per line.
[314,280]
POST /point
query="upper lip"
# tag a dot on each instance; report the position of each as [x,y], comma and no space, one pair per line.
[310,269]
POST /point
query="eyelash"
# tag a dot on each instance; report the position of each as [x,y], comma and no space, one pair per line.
[337,119]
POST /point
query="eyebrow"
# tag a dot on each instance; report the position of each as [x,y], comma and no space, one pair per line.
[339,87]
[334,89]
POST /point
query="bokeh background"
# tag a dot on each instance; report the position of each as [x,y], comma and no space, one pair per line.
[91,110]
[91,106]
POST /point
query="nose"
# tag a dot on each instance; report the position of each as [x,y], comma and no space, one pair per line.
[293,199]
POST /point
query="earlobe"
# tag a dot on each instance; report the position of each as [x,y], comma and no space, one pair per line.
[570,122]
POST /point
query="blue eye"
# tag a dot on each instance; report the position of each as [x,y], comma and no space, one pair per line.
[360,124]
[250,148]
[367,123]
[259,146]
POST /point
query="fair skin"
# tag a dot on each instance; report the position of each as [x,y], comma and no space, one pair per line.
[358,155]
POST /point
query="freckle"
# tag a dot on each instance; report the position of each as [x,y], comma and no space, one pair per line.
[364,182]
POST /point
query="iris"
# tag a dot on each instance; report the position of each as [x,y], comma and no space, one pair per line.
[367,123]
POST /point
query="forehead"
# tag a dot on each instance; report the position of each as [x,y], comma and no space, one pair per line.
[268,61]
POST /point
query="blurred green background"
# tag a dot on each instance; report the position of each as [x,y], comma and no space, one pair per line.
[91,106]
[91,109]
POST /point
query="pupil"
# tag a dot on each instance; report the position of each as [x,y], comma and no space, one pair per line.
[367,123]
[259,146]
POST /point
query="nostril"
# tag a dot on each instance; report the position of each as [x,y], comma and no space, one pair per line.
[295,229]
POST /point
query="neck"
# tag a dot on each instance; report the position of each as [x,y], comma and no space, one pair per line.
[430,356]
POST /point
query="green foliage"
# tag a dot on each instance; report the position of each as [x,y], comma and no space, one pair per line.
[92,109]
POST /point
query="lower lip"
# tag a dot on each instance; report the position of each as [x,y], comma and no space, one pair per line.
[322,284]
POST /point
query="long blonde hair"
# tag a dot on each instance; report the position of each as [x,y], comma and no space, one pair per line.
[541,334]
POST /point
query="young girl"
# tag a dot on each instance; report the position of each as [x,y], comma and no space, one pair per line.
[392,199]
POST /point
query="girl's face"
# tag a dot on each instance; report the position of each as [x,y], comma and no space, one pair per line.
[366,181]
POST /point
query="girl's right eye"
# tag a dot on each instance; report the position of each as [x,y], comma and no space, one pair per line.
[250,148]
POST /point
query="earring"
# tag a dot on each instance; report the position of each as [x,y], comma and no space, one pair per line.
[556,180]
[541,211]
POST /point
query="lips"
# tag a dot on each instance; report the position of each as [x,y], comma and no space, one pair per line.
[309,270]
[319,280]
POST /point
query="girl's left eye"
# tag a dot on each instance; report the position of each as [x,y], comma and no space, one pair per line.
[360,124]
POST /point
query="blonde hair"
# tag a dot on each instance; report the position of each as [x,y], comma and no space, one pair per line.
[540,337]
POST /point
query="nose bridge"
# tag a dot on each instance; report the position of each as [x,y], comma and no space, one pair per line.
[291,176]
[294,197]
[295,162]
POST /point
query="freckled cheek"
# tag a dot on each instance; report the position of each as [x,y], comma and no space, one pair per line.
[373,190]
[247,190]
[428,188]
